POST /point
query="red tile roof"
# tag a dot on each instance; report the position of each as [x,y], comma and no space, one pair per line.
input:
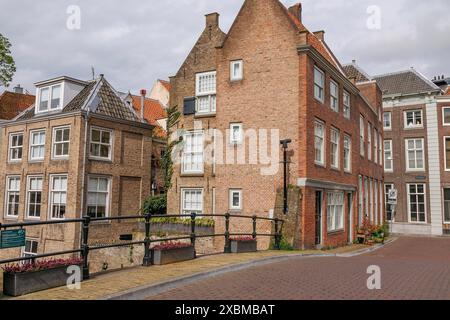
[447,92]
[166,84]
[11,104]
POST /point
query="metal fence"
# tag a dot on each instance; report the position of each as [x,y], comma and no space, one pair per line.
[147,260]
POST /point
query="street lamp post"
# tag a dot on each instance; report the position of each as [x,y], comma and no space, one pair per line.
[285,144]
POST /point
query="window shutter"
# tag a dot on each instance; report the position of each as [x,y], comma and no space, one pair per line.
[189,106]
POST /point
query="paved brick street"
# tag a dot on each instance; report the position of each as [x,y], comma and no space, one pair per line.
[411,268]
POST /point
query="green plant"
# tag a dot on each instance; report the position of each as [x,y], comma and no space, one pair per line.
[7,65]
[173,116]
[200,222]
[284,245]
[155,205]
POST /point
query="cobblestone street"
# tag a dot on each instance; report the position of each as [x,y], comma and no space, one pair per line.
[411,268]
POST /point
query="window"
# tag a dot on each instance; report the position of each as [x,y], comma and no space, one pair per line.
[30,249]
[380,149]
[414,155]
[387,121]
[101,143]
[335,211]
[366,197]
[447,205]
[319,137]
[12,196]
[98,197]
[236,70]
[319,84]
[369,141]
[347,106]
[193,153]
[360,201]
[34,197]
[375,146]
[235,199]
[388,159]
[347,154]
[446,116]
[370,199]
[334,96]
[15,146]
[236,133]
[413,119]
[447,153]
[58,196]
[416,203]
[37,145]
[334,148]
[192,201]
[361,136]
[375,202]
[50,98]
[388,207]
[205,91]
[61,140]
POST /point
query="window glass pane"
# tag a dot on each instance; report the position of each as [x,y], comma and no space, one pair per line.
[95,135]
[43,105]
[56,95]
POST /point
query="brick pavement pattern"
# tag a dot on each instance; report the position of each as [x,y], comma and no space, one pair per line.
[411,268]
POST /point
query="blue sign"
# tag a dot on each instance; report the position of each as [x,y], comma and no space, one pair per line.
[12,238]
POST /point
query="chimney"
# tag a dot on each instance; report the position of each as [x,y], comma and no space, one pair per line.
[18,89]
[212,19]
[320,35]
[143,94]
[296,10]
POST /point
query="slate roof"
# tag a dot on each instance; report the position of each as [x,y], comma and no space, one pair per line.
[354,71]
[11,104]
[99,97]
[405,82]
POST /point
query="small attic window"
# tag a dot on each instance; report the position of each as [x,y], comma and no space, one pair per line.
[49,98]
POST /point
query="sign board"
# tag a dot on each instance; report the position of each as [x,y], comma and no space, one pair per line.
[392,196]
[392,202]
[12,238]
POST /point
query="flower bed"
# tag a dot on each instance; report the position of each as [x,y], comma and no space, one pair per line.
[172,252]
[24,278]
[243,244]
[370,234]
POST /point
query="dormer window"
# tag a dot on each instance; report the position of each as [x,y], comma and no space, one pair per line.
[50,98]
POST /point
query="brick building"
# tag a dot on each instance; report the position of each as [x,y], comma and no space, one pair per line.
[270,78]
[415,151]
[78,150]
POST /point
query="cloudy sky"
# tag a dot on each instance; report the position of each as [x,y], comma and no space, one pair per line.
[134,42]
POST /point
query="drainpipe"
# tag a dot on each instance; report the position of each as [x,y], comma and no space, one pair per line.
[83,166]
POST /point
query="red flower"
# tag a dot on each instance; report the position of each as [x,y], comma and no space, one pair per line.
[40,265]
[242,239]
[171,245]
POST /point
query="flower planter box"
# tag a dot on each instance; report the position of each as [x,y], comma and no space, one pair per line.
[166,256]
[243,246]
[18,284]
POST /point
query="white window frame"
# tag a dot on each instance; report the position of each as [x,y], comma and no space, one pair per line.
[445,202]
[240,76]
[334,96]
[61,191]
[110,144]
[387,113]
[230,198]
[239,139]
[413,126]
[193,153]
[26,254]
[50,95]
[416,150]
[369,141]
[380,149]
[28,191]
[348,152]
[323,139]
[185,210]
[31,145]
[108,193]
[409,201]
[319,84]
[375,145]
[210,95]
[8,191]
[362,137]
[391,159]
[335,137]
[333,207]
[445,124]
[55,143]
[387,187]
[11,147]
[347,105]
[446,168]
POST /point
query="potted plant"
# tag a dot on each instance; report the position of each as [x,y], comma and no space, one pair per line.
[171,252]
[243,244]
[24,278]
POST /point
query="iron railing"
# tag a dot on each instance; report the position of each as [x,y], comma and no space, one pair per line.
[86,221]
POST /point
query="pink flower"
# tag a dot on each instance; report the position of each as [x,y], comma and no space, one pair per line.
[171,245]
[41,265]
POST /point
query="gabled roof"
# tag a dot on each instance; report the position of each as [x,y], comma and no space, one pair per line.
[166,84]
[404,83]
[99,97]
[352,70]
[11,104]
[153,109]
